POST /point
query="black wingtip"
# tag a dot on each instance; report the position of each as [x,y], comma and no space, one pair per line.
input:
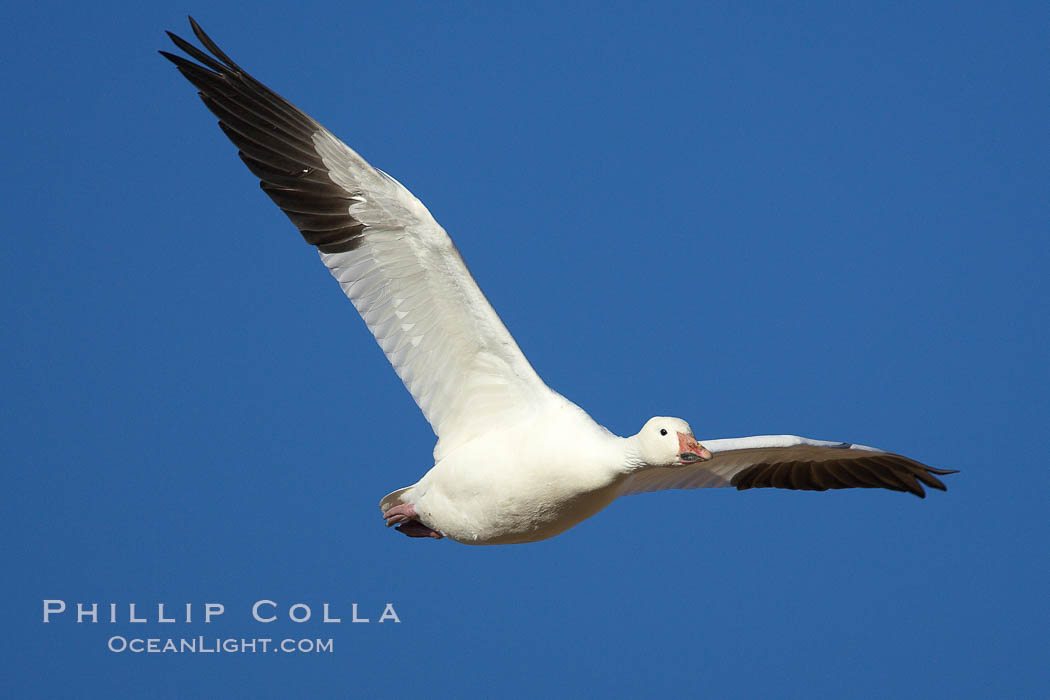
[934,481]
[211,46]
[171,57]
[197,31]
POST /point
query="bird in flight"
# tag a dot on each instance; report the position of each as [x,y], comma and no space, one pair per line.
[515,461]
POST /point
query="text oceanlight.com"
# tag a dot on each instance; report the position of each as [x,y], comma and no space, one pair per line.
[218,645]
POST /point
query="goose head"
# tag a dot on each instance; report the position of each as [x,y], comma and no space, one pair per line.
[669,442]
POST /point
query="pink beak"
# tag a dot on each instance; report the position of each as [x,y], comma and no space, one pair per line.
[689,450]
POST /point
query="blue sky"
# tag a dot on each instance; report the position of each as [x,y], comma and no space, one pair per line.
[825,221]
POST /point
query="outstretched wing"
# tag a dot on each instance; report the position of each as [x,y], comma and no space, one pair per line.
[791,462]
[395,263]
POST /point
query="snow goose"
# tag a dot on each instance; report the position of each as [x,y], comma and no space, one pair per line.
[515,461]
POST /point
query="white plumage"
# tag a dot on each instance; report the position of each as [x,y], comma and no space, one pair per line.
[515,461]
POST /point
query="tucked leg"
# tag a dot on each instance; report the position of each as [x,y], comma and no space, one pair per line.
[414,528]
[404,516]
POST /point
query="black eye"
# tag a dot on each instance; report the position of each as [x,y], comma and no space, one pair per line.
[663,432]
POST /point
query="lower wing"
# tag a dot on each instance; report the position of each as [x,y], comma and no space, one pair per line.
[791,462]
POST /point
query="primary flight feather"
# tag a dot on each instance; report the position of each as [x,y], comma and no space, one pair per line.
[515,461]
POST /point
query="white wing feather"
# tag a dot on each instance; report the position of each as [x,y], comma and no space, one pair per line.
[415,293]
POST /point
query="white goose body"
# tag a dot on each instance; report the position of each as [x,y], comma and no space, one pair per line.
[523,482]
[515,461]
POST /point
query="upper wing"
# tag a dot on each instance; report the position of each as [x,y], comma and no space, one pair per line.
[791,462]
[394,262]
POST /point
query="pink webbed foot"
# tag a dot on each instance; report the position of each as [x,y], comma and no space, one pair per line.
[399,514]
[404,516]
